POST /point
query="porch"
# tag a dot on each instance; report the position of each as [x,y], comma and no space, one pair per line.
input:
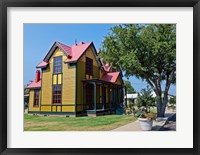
[101,97]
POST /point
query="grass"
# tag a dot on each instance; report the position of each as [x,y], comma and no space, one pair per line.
[58,123]
[154,110]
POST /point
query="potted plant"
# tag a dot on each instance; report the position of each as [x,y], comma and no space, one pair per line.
[145,118]
[144,113]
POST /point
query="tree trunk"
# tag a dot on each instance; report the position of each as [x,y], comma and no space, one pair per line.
[161,105]
[160,112]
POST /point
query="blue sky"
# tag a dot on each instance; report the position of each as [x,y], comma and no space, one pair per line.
[38,39]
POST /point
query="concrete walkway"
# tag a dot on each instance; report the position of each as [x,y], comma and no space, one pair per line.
[157,124]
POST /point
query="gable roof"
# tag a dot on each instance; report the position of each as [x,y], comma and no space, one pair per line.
[106,67]
[42,64]
[110,77]
[66,50]
[77,51]
[34,84]
[73,53]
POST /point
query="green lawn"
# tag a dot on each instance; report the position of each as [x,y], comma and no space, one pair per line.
[154,110]
[58,123]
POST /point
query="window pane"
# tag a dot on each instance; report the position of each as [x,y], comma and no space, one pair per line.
[57,64]
[36,98]
[89,66]
[57,92]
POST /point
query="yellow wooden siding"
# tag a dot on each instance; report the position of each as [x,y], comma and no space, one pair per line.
[89,53]
[46,108]
[58,108]
[69,84]
[68,81]
[31,101]
[47,85]
[53,108]
[100,94]
[81,75]
[68,108]
[118,81]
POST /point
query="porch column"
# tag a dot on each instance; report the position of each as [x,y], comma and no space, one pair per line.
[109,96]
[83,98]
[94,84]
[117,95]
[114,97]
[103,96]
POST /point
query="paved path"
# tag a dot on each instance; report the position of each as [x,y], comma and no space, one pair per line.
[170,125]
[157,125]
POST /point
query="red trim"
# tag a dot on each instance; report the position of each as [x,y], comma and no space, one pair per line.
[111,77]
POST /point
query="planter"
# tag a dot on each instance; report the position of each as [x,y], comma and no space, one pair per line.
[146,123]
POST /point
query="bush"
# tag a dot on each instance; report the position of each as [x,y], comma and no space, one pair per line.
[145,98]
[141,113]
[145,102]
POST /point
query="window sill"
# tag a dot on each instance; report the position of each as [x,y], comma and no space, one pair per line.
[57,73]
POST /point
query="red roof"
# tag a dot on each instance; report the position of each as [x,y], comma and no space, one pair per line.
[42,64]
[65,48]
[34,84]
[106,67]
[110,77]
[77,50]
[74,52]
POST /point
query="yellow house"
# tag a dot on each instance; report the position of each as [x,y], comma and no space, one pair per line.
[74,81]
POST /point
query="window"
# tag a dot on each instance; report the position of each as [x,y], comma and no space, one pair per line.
[89,66]
[57,66]
[57,94]
[36,98]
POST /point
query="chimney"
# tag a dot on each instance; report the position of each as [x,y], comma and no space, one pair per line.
[81,43]
[37,77]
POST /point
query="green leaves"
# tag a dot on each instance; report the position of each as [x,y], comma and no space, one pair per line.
[145,98]
[142,50]
[147,51]
[129,87]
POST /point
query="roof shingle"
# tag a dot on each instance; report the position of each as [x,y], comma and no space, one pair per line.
[110,77]
[42,64]
[77,51]
[34,84]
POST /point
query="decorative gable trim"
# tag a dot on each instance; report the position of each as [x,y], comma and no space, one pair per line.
[52,50]
[95,55]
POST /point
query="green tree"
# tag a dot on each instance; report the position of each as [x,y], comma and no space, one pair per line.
[145,98]
[129,87]
[147,52]
[172,100]
[26,91]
